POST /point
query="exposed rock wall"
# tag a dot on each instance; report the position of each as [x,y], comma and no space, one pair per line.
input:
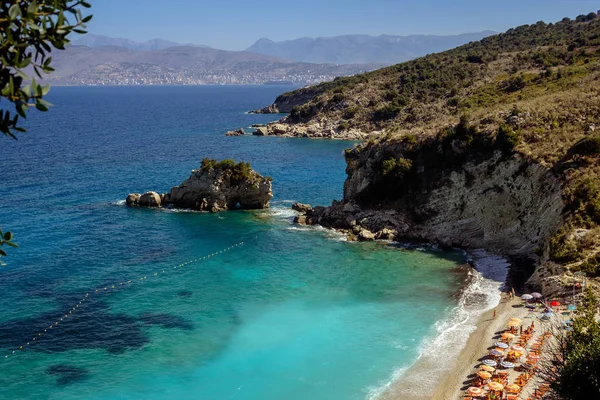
[502,203]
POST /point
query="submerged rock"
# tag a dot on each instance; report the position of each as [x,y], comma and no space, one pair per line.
[216,186]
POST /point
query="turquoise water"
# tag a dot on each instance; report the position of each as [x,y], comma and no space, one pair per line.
[293,313]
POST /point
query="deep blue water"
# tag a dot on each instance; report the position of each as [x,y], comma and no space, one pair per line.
[292,313]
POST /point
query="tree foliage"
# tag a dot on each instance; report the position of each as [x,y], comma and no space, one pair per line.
[576,370]
[29,31]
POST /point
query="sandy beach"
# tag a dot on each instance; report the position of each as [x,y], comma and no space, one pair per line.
[450,387]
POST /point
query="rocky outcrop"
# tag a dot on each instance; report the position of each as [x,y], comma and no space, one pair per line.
[318,130]
[261,131]
[149,199]
[236,132]
[302,208]
[270,109]
[494,200]
[216,186]
[286,101]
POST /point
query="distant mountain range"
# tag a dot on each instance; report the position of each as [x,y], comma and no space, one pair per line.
[357,49]
[102,60]
[185,65]
[91,40]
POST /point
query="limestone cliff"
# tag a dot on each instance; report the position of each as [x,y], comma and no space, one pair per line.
[216,186]
[502,203]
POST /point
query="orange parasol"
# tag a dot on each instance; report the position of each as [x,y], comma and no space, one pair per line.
[487,368]
[515,319]
[474,391]
[516,347]
[508,336]
[514,388]
[514,353]
[495,386]
[484,375]
[513,324]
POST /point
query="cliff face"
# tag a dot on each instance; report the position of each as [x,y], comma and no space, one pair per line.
[216,186]
[508,204]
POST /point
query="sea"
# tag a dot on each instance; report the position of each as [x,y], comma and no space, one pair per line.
[103,301]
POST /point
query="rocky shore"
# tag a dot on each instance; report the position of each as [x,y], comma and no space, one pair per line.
[216,186]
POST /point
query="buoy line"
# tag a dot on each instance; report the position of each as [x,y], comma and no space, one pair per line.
[108,288]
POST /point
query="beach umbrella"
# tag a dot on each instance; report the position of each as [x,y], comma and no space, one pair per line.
[513,324]
[536,295]
[516,347]
[491,363]
[501,345]
[514,388]
[526,297]
[487,368]
[474,391]
[508,336]
[507,364]
[496,386]
[571,307]
[484,375]
[554,303]
[495,352]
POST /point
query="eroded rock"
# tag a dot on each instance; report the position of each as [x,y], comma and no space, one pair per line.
[215,187]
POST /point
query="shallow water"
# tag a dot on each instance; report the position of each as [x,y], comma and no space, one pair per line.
[292,313]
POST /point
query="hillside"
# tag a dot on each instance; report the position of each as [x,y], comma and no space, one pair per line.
[495,144]
[361,49]
[114,65]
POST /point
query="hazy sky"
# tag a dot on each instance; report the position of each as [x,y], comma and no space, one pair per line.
[235,25]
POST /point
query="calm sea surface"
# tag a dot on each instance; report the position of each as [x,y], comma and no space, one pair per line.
[293,313]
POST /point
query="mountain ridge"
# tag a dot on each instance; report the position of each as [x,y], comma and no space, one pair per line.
[92,40]
[185,65]
[358,48]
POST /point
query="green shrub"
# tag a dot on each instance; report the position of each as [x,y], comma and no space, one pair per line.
[589,146]
[344,125]
[575,369]
[561,248]
[234,171]
[397,167]
[507,138]
[386,112]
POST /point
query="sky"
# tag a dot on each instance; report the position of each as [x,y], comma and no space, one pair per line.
[235,25]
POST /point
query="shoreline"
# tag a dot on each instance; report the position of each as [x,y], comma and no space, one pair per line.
[458,340]
[451,385]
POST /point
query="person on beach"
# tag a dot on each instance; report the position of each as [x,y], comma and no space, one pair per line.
[494,313]
[521,330]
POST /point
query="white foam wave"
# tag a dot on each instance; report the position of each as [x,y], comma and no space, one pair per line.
[118,203]
[282,212]
[439,351]
[298,228]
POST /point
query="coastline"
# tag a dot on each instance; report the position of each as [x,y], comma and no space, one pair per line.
[459,340]
[450,386]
